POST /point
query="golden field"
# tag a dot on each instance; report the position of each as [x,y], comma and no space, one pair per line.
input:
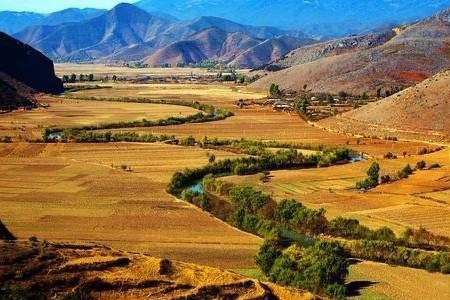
[100,70]
[414,202]
[70,192]
[74,192]
[66,112]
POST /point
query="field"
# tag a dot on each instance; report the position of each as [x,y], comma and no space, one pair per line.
[71,192]
[78,192]
[67,112]
[384,282]
[224,95]
[416,201]
[104,70]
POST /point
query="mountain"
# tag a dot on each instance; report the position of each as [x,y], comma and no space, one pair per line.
[237,48]
[127,33]
[364,64]
[421,111]
[13,22]
[27,65]
[316,17]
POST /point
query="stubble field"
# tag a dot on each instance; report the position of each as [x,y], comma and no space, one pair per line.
[72,191]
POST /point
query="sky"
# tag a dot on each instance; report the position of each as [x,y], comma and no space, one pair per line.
[46,6]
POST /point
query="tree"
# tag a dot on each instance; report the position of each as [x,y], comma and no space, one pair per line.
[73,78]
[371,181]
[274,90]
[91,77]
[374,173]
[211,158]
[266,256]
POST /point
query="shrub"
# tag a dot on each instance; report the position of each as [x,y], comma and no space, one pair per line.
[165,267]
[420,165]
[390,155]
[405,172]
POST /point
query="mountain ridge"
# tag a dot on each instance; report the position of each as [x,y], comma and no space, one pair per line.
[402,57]
[127,32]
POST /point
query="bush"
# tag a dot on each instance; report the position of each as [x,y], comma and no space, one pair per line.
[420,165]
[405,172]
[321,268]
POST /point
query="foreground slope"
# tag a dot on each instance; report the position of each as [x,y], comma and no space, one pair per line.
[27,65]
[354,65]
[421,111]
[87,271]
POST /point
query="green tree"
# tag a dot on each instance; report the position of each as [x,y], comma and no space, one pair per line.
[374,172]
[274,90]
[266,256]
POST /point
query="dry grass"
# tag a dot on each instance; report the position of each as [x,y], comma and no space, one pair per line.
[100,70]
[66,112]
[215,94]
[399,282]
[111,274]
[70,192]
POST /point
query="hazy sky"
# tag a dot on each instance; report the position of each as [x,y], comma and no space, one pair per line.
[54,5]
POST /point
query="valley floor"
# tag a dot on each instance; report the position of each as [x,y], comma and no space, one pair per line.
[75,192]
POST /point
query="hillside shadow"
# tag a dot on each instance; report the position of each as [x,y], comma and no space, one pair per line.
[354,288]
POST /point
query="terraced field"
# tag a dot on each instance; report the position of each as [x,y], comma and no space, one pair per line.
[70,192]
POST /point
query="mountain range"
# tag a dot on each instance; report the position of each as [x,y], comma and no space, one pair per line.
[129,33]
[12,22]
[315,17]
[368,63]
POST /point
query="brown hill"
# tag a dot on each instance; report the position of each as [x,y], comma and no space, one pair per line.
[407,55]
[27,65]
[421,111]
[14,94]
[42,270]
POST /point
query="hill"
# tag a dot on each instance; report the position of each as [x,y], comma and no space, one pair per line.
[364,64]
[420,112]
[27,65]
[14,94]
[127,33]
[40,270]
[237,48]
[12,22]
[318,18]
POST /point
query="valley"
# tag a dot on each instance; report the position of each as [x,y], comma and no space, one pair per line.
[78,192]
[190,150]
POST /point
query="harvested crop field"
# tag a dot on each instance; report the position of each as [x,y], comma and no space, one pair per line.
[214,93]
[415,201]
[381,281]
[100,70]
[70,192]
[67,112]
